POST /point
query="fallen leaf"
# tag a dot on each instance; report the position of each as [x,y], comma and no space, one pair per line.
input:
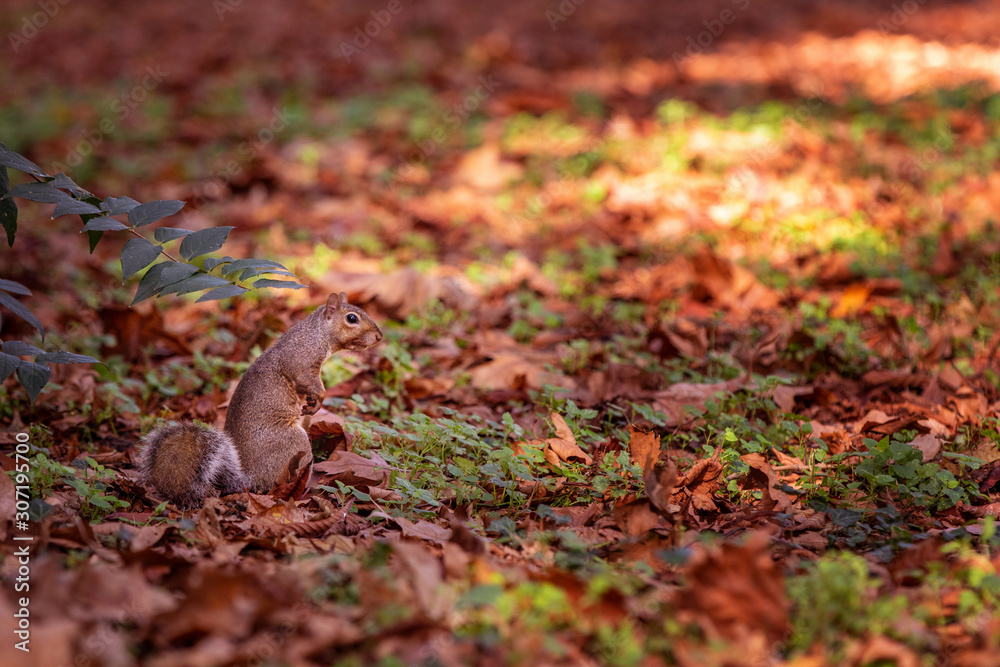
[762,476]
[643,448]
[929,446]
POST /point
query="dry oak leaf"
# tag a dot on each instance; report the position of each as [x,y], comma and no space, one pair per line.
[702,480]
[355,470]
[675,400]
[737,589]
[762,476]
[643,448]
[511,371]
[424,530]
[929,446]
[636,518]
[563,447]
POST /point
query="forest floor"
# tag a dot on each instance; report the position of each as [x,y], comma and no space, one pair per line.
[691,314]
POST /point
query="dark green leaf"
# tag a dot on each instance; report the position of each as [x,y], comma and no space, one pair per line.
[14,287]
[103,224]
[118,205]
[75,207]
[250,273]
[222,293]
[173,272]
[145,214]
[137,255]
[21,311]
[66,358]
[149,285]
[204,241]
[33,376]
[9,158]
[63,181]
[212,262]
[251,263]
[196,283]
[267,282]
[8,209]
[168,234]
[44,193]
[8,364]
[17,347]
[94,237]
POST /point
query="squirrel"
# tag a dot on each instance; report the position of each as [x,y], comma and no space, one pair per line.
[185,462]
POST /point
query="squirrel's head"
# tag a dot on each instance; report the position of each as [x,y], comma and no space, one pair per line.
[353,329]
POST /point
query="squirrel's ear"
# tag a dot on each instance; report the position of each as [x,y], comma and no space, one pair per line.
[343,298]
[332,302]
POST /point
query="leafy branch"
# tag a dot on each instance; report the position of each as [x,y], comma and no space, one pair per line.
[222,277]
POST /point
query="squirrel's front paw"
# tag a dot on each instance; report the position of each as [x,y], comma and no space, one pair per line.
[313,402]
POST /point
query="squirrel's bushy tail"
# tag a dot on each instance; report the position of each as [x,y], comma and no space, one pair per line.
[185,462]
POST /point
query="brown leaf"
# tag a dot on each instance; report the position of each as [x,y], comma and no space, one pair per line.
[929,446]
[659,482]
[293,482]
[702,480]
[635,518]
[326,431]
[355,470]
[676,400]
[851,301]
[762,476]
[510,371]
[424,530]
[643,448]
[737,589]
[564,447]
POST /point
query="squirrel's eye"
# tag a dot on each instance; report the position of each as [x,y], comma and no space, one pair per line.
[352,318]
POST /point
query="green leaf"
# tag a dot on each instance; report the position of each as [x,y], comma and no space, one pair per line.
[17,347]
[137,255]
[267,282]
[9,158]
[222,293]
[212,262]
[61,357]
[19,309]
[146,214]
[168,234]
[14,287]
[44,193]
[196,283]
[63,181]
[118,205]
[250,273]
[33,376]
[149,285]
[8,209]
[204,241]
[94,238]
[251,263]
[173,272]
[75,207]
[103,224]
[8,364]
